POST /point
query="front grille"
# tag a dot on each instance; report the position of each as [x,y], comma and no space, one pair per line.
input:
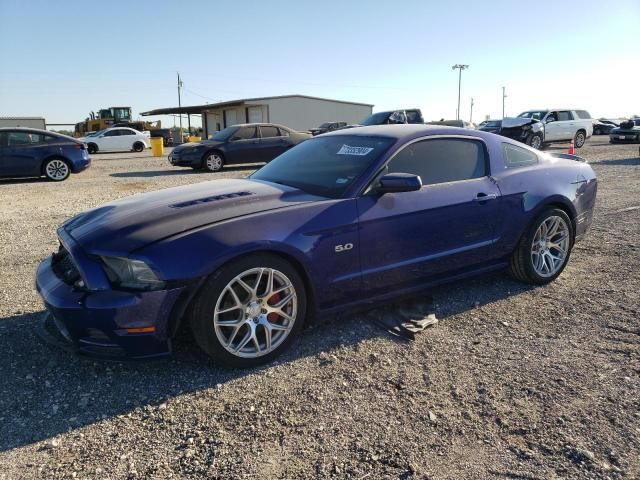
[63,266]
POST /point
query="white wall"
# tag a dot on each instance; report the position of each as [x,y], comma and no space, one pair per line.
[302,113]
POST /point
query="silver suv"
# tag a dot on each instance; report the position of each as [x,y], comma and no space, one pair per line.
[554,125]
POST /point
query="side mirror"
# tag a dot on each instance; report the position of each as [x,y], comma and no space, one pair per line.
[550,119]
[399,182]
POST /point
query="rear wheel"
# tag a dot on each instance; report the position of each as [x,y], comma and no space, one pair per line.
[57,170]
[250,311]
[544,249]
[579,139]
[138,147]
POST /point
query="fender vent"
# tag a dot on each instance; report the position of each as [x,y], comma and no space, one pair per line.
[214,198]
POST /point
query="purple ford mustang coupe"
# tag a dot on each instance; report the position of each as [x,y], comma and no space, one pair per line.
[347,218]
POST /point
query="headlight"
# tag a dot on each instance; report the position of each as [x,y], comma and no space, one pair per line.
[129,273]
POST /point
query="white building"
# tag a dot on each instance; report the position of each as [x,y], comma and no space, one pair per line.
[299,112]
[28,122]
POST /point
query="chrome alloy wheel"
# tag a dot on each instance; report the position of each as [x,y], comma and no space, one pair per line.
[255,312]
[550,246]
[214,162]
[580,139]
[536,142]
[57,170]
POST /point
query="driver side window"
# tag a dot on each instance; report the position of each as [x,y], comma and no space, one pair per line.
[442,160]
[552,117]
[244,133]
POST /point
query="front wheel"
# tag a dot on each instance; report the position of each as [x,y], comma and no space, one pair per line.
[213,162]
[579,139]
[250,311]
[92,148]
[544,249]
[535,141]
[57,170]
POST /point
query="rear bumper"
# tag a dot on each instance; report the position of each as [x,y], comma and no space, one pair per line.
[81,165]
[97,322]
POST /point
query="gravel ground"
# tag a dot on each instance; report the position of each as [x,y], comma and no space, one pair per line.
[514,382]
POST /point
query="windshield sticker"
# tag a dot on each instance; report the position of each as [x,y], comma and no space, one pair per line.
[340,181]
[359,151]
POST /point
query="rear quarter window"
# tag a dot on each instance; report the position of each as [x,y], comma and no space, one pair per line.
[517,157]
[583,114]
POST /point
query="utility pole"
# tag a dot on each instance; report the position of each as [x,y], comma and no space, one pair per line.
[471,114]
[180,104]
[459,67]
[504,95]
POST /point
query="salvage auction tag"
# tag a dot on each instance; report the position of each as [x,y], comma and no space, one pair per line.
[360,151]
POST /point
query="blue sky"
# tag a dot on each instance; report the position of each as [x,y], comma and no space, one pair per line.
[63,59]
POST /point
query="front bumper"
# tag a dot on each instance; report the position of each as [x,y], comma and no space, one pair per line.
[180,159]
[624,137]
[97,322]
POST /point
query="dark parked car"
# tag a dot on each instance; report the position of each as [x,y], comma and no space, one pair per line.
[328,127]
[28,152]
[603,127]
[246,143]
[345,219]
[394,117]
[627,132]
[492,126]
[165,133]
[453,123]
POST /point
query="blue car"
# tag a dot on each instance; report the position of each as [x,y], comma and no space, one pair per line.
[345,219]
[28,152]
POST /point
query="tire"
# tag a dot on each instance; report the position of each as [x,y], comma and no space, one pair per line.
[215,303]
[56,169]
[535,141]
[525,263]
[213,161]
[92,148]
[138,147]
[579,139]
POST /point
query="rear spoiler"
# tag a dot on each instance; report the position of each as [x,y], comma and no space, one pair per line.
[567,156]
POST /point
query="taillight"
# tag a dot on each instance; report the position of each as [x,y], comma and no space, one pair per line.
[79,146]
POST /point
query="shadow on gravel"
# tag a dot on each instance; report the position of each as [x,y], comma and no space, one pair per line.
[630,162]
[182,171]
[10,181]
[46,391]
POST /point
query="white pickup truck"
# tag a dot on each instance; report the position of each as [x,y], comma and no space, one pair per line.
[539,127]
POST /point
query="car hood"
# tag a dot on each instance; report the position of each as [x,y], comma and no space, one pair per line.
[515,122]
[205,143]
[123,226]
[633,129]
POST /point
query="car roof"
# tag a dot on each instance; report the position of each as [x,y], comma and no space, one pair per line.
[405,132]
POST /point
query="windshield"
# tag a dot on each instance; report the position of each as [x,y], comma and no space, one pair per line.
[223,135]
[325,125]
[95,134]
[325,166]
[379,118]
[537,114]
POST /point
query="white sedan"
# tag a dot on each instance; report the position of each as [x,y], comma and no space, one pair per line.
[116,139]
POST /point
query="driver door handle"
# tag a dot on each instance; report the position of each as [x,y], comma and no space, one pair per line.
[483,197]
